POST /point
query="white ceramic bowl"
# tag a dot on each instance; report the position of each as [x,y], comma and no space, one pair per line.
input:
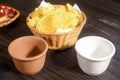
[94,54]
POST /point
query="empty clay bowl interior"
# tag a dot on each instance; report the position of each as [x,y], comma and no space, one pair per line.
[27,47]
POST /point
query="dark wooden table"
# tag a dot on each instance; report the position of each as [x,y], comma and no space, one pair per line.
[103,19]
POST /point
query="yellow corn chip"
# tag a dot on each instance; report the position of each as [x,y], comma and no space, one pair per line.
[33,22]
[68,17]
[68,20]
[47,24]
[50,19]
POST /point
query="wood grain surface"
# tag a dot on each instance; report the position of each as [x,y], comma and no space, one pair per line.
[103,19]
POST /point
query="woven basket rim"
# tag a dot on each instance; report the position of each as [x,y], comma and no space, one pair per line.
[54,34]
[13,19]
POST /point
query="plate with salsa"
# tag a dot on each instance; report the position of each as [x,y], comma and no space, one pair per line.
[8,15]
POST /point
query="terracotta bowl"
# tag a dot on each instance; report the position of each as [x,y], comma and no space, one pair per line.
[28,54]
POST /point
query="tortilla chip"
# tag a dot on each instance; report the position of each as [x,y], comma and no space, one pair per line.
[47,24]
[50,19]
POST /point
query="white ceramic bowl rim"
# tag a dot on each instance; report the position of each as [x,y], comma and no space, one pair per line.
[91,58]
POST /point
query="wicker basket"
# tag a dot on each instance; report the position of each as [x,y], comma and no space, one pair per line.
[60,41]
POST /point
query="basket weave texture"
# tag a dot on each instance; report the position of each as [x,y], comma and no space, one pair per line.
[62,40]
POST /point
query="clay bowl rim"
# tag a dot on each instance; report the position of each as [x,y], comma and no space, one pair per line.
[29,58]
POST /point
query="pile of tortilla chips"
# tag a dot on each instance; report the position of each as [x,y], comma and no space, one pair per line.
[50,19]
